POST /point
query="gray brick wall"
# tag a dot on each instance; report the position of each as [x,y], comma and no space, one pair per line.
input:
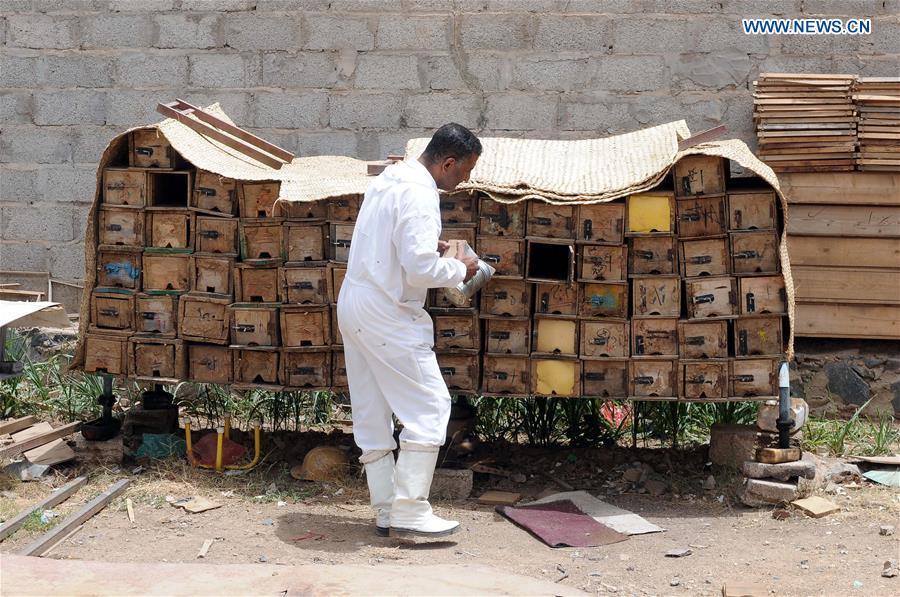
[359,77]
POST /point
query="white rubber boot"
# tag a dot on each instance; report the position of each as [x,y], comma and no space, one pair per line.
[411,514]
[380,478]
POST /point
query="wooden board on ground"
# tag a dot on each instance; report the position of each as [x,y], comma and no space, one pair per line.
[58,496]
[743,589]
[844,252]
[847,285]
[844,220]
[823,320]
[816,507]
[50,453]
[492,497]
[17,448]
[13,425]
[778,455]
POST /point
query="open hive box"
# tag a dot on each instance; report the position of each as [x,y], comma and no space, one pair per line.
[673,291]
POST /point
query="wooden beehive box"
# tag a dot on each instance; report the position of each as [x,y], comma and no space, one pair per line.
[550,260]
[704,257]
[302,210]
[169,189]
[603,263]
[555,377]
[256,284]
[257,199]
[156,315]
[148,148]
[112,311]
[120,226]
[702,216]
[339,371]
[262,240]
[655,337]
[606,378]
[764,295]
[658,296]
[501,219]
[506,375]
[758,336]
[212,274]
[461,370]
[703,339]
[305,242]
[604,338]
[119,267]
[650,213]
[204,319]
[506,255]
[652,378]
[336,275]
[603,299]
[158,359]
[306,368]
[754,378]
[124,187]
[460,207]
[704,379]
[507,335]
[550,221]
[344,209]
[217,235]
[106,353]
[755,252]
[171,228]
[699,175]
[305,326]
[556,299]
[506,298]
[456,233]
[336,338]
[710,297]
[340,237]
[439,298]
[254,324]
[305,285]
[554,335]
[751,210]
[214,194]
[256,367]
[166,271]
[208,363]
[457,331]
[651,255]
[601,223]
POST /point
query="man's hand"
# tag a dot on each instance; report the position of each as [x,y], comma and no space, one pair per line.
[442,247]
[471,264]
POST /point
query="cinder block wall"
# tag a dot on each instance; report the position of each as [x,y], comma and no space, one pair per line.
[359,77]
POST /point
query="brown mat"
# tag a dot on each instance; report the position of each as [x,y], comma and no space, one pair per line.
[561,524]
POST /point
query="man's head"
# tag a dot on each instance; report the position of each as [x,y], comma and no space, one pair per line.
[451,154]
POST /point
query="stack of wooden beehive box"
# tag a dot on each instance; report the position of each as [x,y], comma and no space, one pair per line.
[674,293]
[878,103]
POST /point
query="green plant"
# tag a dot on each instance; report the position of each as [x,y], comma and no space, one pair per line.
[885,437]
[541,421]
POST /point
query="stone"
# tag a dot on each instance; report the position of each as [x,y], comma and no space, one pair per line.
[732,445]
[785,471]
[781,514]
[846,383]
[710,483]
[873,362]
[93,454]
[767,416]
[679,553]
[889,569]
[451,484]
[655,487]
[843,472]
[886,530]
[760,493]
[633,475]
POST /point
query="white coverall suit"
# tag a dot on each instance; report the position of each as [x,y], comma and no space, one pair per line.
[388,335]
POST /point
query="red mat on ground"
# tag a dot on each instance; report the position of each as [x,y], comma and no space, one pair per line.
[561,524]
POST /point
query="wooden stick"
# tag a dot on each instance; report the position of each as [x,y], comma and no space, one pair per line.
[207,543]
[707,135]
[130,507]
[14,425]
[38,440]
[42,544]
[60,495]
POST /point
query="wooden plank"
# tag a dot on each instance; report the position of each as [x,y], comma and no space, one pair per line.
[847,285]
[852,188]
[816,507]
[38,440]
[822,320]
[46,541]
[844,252]
[778,455]
[60,495]
[844,220]
[19,424]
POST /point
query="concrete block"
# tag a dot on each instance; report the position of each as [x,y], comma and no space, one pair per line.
[42,31]
[714,34]
[235,103]
[451,484]
[261,32]
[151,70]
[15,107]
[440,73]
[374,145]
[376,71]
[495,31]
[37,223]
[68,182]
[364,110]
[757,493]
[116,31]
[432,110]
[838,8]
[885,34]
[521,111]
[602,114]
[67,261]
[785,471]
[126,107]
[655,35]
[630,74]
[550,74]
[141,5]
[535,6]
[217,70]
[24,143]
[89,142]
[311,69]
[326,32]
[80,107]
[19,184]
[16,6]
[283,138]
[295,5]
[402,32]
[732,445]
[700,111]
[828,45]
[186,30]
[20,70]
[761,8]
[710,71]
[222,5]
[491,72]
[24,256]
[68,5]
[327,143]
[77,70]
[290,110]
[573,32]
[99,454]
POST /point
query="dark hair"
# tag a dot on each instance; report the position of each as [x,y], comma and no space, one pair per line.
[452,141]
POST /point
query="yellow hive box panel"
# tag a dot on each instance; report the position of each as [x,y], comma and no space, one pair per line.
[649,213]
[556,336]
[555,377]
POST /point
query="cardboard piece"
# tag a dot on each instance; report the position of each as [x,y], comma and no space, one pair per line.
[816,507]
[561,524]
[614,517]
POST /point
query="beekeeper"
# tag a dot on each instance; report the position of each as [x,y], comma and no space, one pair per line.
[388,335]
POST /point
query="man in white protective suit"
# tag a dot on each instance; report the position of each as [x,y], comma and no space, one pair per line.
[389,337]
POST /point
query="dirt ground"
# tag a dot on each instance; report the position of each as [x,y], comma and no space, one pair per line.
[266,516]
